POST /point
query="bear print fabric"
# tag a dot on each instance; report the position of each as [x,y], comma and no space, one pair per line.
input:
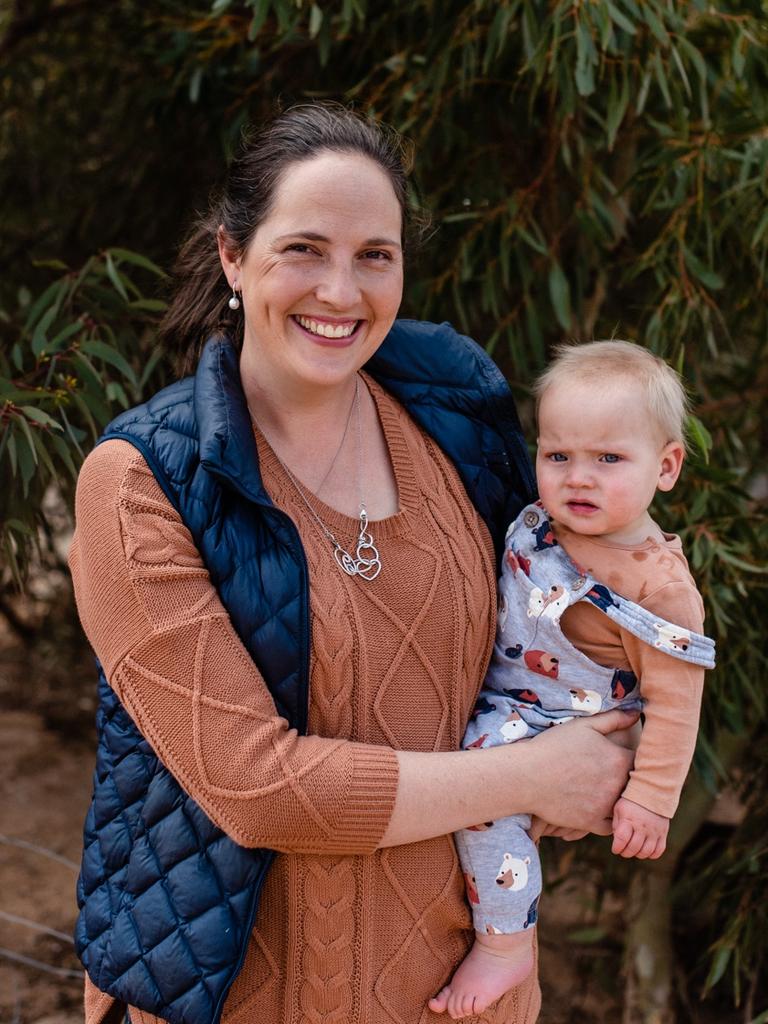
[537,679]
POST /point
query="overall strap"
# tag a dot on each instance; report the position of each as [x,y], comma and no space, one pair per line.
[674,640]
[532,537]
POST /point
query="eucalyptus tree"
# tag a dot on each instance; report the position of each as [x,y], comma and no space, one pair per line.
[592,169]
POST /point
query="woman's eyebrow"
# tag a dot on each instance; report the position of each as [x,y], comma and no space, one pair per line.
[313,236]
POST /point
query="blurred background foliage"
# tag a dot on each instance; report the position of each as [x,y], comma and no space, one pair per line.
[592,169]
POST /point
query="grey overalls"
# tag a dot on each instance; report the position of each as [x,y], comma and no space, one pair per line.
[538,679]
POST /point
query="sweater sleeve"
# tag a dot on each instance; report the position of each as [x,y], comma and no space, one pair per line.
[169,650]
[672,690]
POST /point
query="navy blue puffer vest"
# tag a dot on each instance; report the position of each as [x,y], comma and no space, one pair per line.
[167,900]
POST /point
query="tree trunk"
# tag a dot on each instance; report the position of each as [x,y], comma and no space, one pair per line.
[649,965]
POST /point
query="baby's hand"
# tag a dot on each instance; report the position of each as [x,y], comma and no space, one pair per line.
[638,832]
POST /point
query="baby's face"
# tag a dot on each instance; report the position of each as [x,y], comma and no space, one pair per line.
[601,459]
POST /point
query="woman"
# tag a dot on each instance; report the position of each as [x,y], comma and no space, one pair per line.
[291,596]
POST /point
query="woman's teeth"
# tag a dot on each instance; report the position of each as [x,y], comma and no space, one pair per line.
[327,330]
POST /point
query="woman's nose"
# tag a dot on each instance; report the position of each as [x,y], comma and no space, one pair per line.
[338,287]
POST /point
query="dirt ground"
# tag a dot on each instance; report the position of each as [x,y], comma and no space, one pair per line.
[46,760]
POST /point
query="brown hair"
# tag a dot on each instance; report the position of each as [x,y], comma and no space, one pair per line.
[199,305]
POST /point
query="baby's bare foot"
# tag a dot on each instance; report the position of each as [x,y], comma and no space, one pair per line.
[495,964]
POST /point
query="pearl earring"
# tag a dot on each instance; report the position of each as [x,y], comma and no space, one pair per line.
[234,302]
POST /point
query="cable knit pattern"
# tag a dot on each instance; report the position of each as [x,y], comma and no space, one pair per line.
[344,935]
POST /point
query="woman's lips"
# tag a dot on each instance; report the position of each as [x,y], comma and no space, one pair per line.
[332,333]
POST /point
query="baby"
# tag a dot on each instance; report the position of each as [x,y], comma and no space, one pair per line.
[595,602]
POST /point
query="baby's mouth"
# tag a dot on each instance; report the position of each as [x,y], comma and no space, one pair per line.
[582,506]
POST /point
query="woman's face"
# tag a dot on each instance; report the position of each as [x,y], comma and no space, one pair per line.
[322,279]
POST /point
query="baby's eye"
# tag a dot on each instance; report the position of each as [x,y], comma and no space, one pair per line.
[557,457]
[610,457]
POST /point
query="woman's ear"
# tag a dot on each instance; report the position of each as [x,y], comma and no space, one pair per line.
[670,464]
[229,261]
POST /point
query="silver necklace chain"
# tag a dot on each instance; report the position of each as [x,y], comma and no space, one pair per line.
[366,562]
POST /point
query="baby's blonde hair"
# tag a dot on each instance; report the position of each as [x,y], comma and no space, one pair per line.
[597,362]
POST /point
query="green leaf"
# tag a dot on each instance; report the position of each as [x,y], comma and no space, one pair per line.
[195,83]
[51,297]
[116,392]
[149,366]
[617,108]
[587,936]
[261,10]
[111,356]
[64,454]
[661,78]
[19,527]
[64,335]
[707,276]
[11,449]
[40,336]
[315,20]
[699,435]
[694,55]
[760,229]
[114,276]
[620,19]
[560,294]
[149,305]
[584,75]
[719,964]
[655,25]
[39,416]
[136,258]
[738,59]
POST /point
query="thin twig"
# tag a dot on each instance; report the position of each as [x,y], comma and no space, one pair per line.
[15,919]
[34,848]
[28,961]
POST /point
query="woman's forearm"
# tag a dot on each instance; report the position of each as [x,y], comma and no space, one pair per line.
[570,776]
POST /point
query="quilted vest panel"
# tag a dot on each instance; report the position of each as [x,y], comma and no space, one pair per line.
[167,899]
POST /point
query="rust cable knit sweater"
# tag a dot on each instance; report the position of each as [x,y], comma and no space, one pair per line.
[346,933]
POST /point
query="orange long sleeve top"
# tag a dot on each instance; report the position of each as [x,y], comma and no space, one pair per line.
[655,575]
[346,933]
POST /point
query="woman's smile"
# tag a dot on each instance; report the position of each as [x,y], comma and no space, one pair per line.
[326,330]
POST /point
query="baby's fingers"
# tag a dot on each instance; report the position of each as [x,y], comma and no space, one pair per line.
[648,849]
[622,836]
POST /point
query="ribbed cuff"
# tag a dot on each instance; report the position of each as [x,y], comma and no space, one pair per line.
[369,801]
[648,796]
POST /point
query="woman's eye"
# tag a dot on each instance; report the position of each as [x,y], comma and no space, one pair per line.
[557,457]
[610,457]
[300,247]
[377,255]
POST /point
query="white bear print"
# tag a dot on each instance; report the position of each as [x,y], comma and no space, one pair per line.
[513,873]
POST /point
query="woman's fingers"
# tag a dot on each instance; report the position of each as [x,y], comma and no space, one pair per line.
[579,774]
[610,721]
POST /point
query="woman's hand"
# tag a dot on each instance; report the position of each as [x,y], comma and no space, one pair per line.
[540,828]
[579,773]
[570,776]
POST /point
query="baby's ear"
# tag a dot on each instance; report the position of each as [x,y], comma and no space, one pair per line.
[670,464]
